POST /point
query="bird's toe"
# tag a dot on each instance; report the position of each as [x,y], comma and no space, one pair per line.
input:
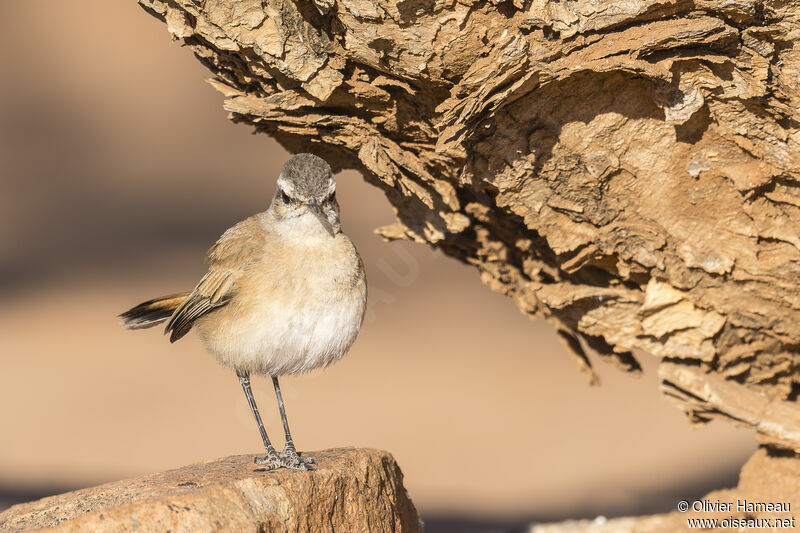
[291,459]
[269,462]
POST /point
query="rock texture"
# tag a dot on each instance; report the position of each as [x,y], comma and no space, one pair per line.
[766,478]
[629,170]
[351,490]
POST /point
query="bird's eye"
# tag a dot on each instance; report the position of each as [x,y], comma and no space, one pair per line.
[285,198]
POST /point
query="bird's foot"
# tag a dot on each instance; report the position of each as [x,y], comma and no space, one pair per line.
[291,459]
[271,461]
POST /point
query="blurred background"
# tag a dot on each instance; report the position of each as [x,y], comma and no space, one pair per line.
[118,169]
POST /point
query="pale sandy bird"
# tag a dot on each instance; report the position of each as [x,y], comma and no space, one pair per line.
[285,292]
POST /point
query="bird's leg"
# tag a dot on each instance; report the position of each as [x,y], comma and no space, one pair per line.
[271,461]
[289,455]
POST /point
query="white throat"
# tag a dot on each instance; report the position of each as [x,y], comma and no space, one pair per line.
[301,228]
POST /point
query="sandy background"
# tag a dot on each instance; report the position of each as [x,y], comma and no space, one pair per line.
[118,169]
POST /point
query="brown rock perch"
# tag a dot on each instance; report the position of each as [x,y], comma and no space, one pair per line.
[351,490]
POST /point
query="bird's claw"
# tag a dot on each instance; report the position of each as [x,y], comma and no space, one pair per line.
[291,459]
[288,458]
[269,462]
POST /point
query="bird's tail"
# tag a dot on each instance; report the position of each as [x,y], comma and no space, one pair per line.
[152,312]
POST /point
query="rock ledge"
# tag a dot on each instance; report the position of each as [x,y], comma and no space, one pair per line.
[351,490]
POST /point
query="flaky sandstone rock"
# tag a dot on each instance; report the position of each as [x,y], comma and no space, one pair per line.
[351,490]
[629,170]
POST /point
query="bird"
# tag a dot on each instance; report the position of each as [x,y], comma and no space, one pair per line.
[285,293]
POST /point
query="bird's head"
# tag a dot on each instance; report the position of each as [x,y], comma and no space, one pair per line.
[306,186]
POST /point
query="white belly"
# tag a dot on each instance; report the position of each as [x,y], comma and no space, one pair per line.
[287,321]
[291,339]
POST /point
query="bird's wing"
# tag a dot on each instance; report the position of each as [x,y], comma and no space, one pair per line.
[239,246]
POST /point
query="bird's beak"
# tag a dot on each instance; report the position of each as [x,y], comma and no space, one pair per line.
[317,211]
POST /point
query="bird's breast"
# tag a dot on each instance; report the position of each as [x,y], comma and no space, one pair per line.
[297,309]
